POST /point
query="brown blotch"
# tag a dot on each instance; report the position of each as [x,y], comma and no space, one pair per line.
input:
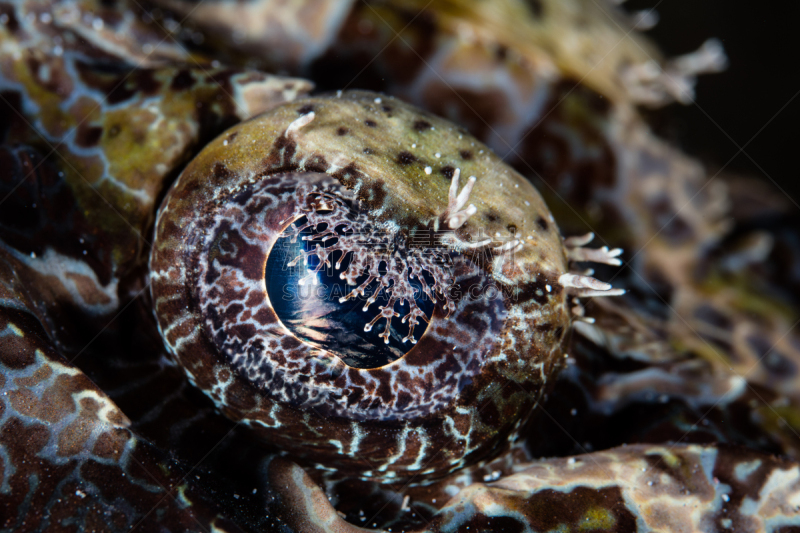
[182,80]
[239,397]
[536,8]
[40,374]
[317,163]
[373,194]
[342,131]
[110,444]
[72,438]
[87,137]
[281,156]
[11,23]
[406,158]
[220,172]
[348,176]
[421,125]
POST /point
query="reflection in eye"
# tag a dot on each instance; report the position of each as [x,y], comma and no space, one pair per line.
[362,295]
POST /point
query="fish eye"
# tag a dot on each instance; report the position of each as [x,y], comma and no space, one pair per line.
[333,264]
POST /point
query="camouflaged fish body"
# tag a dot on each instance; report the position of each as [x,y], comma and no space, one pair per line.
[104,107]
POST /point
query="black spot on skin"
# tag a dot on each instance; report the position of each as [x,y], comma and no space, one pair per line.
[501,53]
[421,125]
[370,123]
[342,131]
[492,215]
[536,8]
[233,136]
[182,81]
[448,172]
[542,223]
[368,151]
[511,228]
[113,131]
[466,155]
[386,108]
[406,158]
[544,327]
[86,137]
[306,109]
[560,331]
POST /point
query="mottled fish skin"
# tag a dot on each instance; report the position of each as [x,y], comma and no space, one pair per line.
[87,147]
[69,460]
[90,145]
[701,333]
[635,488]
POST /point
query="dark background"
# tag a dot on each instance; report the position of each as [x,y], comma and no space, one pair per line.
[761,41]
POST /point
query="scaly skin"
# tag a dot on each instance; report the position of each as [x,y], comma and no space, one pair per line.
[103,109]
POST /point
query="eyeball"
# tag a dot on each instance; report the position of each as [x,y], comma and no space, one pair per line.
[364,285]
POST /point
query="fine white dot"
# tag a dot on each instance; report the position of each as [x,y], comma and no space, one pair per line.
[527,203]
[428,170]
[377,100]
[414,145]
[438,155]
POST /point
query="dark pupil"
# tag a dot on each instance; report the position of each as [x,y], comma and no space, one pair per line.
[312,310]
